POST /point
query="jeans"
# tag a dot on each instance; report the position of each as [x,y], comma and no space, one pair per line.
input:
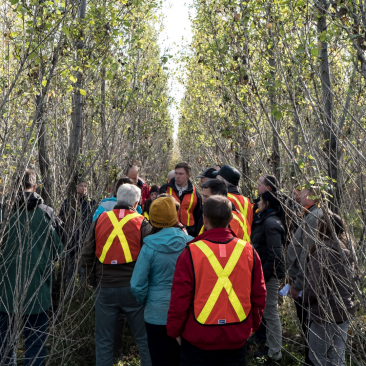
[328,343]
[35,336]
[109,303]
[118,337]
[164,351]
[191,355]
[273,322]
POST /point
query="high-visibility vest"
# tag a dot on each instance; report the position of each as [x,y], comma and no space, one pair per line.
[187,206]
[243,205]
[237,226]
[118,236]
[146,215]
[223,281]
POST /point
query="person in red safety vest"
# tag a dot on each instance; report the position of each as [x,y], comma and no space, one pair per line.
[218,293]
[238,224]
[231,177]
[182,189]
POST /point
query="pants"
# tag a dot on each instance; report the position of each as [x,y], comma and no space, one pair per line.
[35,336]
[328,340]
[261,332]
[164,351]
[118,337]
[273,322]
[109,303]
[302,312]
[191,355]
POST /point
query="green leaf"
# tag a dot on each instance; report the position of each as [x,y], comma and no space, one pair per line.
[323,36]
[73,79]
[13,2]
[300,3]
[82,92]
[32,56]
[278,115]
[65,30]
[44,82]
[314,52]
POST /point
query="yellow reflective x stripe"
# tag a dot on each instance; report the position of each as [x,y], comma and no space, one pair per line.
[244,227]
[189,207]
[244,210]
[202,230]
[222,280]
[117,231]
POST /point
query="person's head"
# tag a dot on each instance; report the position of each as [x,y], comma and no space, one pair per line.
[82,188]
[133,174]
[182,173]
[163,213]
[170,175]
[217,167]
[308,197]
[119,182]
[29,182]
[268,200]
[177,204]
[217,212]
[154,191]
[229,175]
[128,195]
[267,183]
[147,205]
[213,187]
[206,175]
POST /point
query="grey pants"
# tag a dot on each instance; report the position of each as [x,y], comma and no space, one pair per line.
[109,303]
[327,343]
[273,322]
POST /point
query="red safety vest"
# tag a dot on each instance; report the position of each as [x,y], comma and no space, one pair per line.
[187,206]
[243,205]
[223,281]
[118,236]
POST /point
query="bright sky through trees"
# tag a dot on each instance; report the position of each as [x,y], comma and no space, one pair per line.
[176,35]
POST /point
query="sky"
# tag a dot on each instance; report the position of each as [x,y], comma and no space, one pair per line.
[175,37]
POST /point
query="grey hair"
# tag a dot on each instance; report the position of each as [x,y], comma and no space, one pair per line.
[128,194]
[171,175]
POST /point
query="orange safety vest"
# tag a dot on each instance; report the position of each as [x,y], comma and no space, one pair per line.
[243,205]
[118,236]
[223,281]
[187,206]
[237,226]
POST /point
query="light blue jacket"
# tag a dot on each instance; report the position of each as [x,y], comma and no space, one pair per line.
[152,278]
[107,204]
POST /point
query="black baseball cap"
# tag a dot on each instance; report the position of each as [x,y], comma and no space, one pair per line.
[207,173]
[229,173]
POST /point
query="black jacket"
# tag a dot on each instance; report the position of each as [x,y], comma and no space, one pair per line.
[197,212]
[268,237]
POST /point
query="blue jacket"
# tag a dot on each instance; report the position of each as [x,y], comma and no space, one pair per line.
[152,278]
[107,204]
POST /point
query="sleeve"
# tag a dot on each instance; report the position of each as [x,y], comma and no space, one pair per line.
[274,249]
[197,212]
[88,257]
[292,257]
[140,277]
[259,292]
[181,296]
[312,281]
[98,212]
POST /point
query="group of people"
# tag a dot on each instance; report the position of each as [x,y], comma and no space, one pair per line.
[196,275]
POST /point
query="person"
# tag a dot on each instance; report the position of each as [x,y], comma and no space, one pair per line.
[147,205]
[154,191]
[169,177]
[268,237]
[107,204]
[330,293]
[109,256]
[182,189]
[227,271]
[86,206]
[297,252]
[206,175]
[293,211]
[133,174]
[237,224]
[152,278]
[29,248]
[231,177]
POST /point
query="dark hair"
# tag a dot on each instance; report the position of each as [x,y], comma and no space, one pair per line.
[271,181]
[177,204]
[120,182]
[185,166]
[147,205]
[29,179]
[218,211]
[271,198]
[217,187]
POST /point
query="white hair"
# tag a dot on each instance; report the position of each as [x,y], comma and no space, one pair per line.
[128,194]
[171,175]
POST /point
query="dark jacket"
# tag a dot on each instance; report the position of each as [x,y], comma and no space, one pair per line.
[328,284]
[180,316]
[107,275]
[197,212]
[30,246]
[268,238]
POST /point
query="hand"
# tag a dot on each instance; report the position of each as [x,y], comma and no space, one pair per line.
[179,340]
[293,292]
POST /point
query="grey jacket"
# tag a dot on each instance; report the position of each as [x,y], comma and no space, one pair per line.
[305,236]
